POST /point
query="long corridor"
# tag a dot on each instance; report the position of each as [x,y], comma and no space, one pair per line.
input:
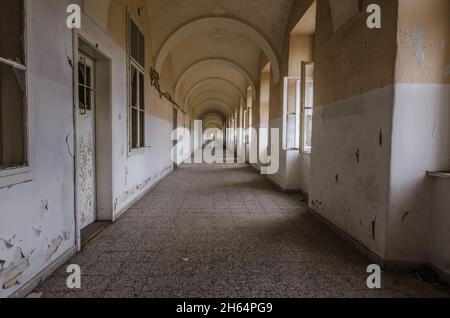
[224,231]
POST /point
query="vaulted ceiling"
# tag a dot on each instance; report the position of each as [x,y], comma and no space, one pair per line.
[213,48]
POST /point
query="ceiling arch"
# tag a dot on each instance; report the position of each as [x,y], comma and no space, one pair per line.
[214,114]
[209,63]
[212,105]
[211,95]
[212,82]
[218,22]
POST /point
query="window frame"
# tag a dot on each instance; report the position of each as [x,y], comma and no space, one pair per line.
[140,69]
[16,175]
[297,113]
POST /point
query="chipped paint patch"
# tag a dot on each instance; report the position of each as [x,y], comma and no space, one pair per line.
[67,235]
[12,275]
[6,244]
[53,248]
[415,40]
[37,232]
[44,207]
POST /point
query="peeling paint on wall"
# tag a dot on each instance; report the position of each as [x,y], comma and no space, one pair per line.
[44,207]
[6,244]
[37,232]
[12,275]
[67,235]
[53,248]
[415,40]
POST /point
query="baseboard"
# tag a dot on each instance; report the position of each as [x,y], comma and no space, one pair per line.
[284,190]
[28,288]
[140,196]
[373,257]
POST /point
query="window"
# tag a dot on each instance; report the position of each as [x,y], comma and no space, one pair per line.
[13,97]
[291,125]
[136,89]
[307,104]
[86,88]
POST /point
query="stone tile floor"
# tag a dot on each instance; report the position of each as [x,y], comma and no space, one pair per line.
[223,231]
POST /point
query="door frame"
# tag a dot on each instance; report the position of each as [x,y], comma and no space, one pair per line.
[102,129]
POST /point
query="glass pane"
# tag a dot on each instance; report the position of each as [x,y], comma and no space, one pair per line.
[88,77]
[81,74]
[142,128]
[134,41]
[134,86]
[134,127]
[309,85]
[309,94]
[141,44]
[308,130]
[141,91]
[81,96]
[291,132]
[292,96]
[12,117]
[88,98]
[11,31]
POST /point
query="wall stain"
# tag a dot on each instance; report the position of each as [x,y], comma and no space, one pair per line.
[407,213]
[374,224]
[357,155]
[380,138]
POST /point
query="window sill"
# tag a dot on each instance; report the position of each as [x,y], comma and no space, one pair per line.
[136,152]
[12,177]
[439,174]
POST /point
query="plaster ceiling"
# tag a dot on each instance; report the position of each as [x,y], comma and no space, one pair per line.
[217,40]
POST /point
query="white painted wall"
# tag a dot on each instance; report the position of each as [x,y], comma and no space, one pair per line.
[380,145]
[419,144]
[37,218]
[350,165]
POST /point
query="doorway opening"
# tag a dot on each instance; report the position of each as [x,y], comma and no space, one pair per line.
[94,202]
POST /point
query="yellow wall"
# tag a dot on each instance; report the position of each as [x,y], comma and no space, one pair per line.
[423,41]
